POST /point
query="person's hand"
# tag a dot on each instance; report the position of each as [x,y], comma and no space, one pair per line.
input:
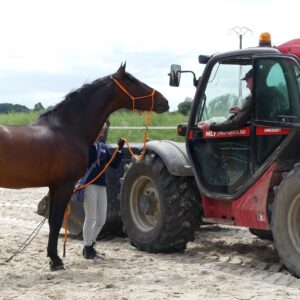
[121,143]
[203,126]
[234,110]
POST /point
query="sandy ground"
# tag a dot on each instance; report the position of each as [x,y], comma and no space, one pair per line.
[222,263]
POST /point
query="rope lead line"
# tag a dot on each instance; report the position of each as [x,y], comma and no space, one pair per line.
[140,157]
[27,241]
[136,157]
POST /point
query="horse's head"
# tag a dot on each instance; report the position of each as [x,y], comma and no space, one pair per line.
[140,96]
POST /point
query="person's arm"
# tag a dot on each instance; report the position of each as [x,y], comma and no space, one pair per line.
[117,160]
[238,121]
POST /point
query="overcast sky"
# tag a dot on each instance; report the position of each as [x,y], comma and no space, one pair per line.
[48,48]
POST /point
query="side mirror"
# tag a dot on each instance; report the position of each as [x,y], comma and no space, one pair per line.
[175,75]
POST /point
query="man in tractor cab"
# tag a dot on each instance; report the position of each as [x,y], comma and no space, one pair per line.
[241,115]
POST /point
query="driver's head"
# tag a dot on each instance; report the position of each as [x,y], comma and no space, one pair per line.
[249,79]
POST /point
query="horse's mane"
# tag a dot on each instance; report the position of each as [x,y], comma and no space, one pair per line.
[79,94]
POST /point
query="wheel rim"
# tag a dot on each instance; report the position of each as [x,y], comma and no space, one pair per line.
[294,223]
[144,203]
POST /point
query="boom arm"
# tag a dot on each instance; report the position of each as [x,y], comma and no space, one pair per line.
[290,47]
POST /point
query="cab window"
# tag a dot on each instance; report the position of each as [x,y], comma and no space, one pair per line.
[224,90]
[222,162]
[276,89]
[276,98]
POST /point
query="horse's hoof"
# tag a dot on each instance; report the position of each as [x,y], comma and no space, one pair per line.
[57,268]
[56,265]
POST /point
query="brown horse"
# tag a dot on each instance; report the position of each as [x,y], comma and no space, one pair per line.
[53,151]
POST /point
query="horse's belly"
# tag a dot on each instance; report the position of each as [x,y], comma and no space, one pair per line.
[20,173]
[33,157]
[37,171]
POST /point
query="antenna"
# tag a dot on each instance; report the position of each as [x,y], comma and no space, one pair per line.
[240,32]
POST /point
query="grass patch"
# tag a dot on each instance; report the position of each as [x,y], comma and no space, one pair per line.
[119,118]
[127,118]
[18,118]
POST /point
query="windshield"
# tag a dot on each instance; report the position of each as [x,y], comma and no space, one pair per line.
[224,90]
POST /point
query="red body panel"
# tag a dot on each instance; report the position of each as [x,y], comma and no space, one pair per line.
[250,210]
[291,47]
[244,131]
[262,130]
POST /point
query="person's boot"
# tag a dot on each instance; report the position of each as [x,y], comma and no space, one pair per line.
[89,252]
[100,255]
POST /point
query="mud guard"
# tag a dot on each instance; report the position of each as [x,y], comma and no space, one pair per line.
[174,156]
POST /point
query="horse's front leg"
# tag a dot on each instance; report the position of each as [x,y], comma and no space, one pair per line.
[59,198]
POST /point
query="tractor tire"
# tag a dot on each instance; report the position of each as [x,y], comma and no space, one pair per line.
[160,212]
[285,222]
[262,234]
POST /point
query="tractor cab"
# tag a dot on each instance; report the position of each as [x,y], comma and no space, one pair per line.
[227,163]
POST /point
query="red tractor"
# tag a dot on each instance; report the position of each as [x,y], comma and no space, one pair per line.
[248,177]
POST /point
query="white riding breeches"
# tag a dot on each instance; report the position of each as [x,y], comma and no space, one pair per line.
[95,208]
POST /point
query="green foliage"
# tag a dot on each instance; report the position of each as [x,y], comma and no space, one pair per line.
[8,108]
[185,106]
[120,118]
[220,105]
[20,118]
[38,107]
[127,118]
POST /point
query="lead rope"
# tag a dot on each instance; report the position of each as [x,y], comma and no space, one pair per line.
[28,240]
[136,157]
[68,209]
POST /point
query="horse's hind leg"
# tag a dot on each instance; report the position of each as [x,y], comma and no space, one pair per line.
[59,198]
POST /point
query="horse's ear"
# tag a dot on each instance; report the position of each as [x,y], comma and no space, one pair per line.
[121,71]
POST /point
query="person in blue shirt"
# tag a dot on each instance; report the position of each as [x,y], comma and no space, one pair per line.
[95,197]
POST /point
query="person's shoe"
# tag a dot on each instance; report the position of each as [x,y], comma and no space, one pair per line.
[89,252]
[99,255]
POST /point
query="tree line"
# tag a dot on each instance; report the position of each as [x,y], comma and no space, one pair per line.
[6,108]
[185,106]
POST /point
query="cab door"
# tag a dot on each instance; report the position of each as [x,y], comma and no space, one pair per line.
[276,101]
[222,161]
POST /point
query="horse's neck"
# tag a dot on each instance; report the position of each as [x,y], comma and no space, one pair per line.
[84,120]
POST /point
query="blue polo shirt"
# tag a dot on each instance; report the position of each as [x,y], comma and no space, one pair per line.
[103,158]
